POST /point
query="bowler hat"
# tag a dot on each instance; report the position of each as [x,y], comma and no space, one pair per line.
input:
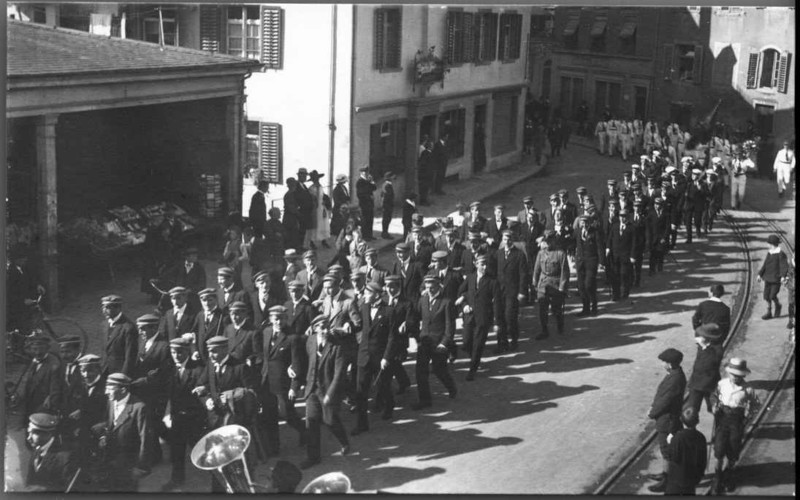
[737,366]
[671,356]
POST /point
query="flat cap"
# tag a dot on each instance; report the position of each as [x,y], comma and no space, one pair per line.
[562,192]
[669,169]
[548,234]
[658,201]
[371,251]
[205,292]
[623,212]
[773,239]
[178,290]
[277,310]
[439,255]
[392,278]
[527,199]
[432,278]
[237,306]
[69,340]
[581,190]
[416,229]
[320,318]
[37,337]
[190,251]
[686,158]
[636,166]
[402,247]
[309,254]
[554,197]
[364,168]
[612,182]
[217,341]
[644,157]
[656,152]
[716,159]
[507,232]
[225,271]
[626,174]
[358,274]
[374,287]
[111,299]
[672,356]
[336,268]
[148,319]
[44,422]
[89,359]
[260,276]
[697,171]
[295,284]
[481,258]
[180,343]
[710,331]
[119,379]
[330,278]
[474,204]
[290,253]
[500,206]
[473,235]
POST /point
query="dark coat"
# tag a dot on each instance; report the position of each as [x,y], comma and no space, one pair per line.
[55,471]
[657,229]
[437,324]
[639,236]
[440,156]
[132,440]
[377,336]
[712,311]
[668,401]
[411,279]
[512,272]
[237,294]
[422,253]
[705,373]
[151,375]
[695,197]
[774,268]
[261,314]
[236,379]
[122,346]
[326,369]
[620,244]
[94,404]
[279,353]
[364,190]
[73,389]
[313,283]
[495,232]
[258,212]
[244,342]
[450,283]
[305,204]
[402,311]
[686,462]
[44,387]
[299,317]
[195,280]
[181,400]
[216,326]
[375,275]
[570,212]
[484,298]
[591,251]
[169,328]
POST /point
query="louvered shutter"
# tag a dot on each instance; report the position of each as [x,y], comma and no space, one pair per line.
[380,39]
[271,154]
[667,69]
[272,37]
[783,72]
[697,67]
[516,35]
[209,28]
[752,70]
[492,48]
[393,38]
[468,43]
[452,27]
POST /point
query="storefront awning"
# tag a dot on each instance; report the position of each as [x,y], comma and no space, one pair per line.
[572,27]
[598,28]
[628,30]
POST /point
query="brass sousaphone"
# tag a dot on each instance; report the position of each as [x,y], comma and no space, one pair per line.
[221,451]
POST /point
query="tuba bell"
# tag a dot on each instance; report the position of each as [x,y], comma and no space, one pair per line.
[333,482]
[221,451]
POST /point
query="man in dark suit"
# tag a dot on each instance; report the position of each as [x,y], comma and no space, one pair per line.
[639,225]
[291,215]
[410,272]
[437,323]
[283,352]
[705,372]
[299,311]
[567,207]
[93,407]
[244,342]
[373,271]
[44,383]
[666,407]
[657,235]
[376,349]
[257,213]
[512,274]
[189,274]
[185,418]
[51,467]
[325,385]
[589,254]
[305,206]
[474,221]
[150,380]
[180,318]
[686,456]
[421,248]
[619,256]
[365,187]
[128,437]
[451,280]
[210,322]
[496,225]
[402,321]
[341,197]
[454,248]
[605,200]
[439,158]
[121,337]
[694,204]
[482,303]
[73,391]
[266,297]
[230,292]
[713,310]
[387,204]
[311,276]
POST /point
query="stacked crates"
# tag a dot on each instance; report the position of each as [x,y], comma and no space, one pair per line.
[211,202]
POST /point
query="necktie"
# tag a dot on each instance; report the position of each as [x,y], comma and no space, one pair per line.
[70,369]
[37,459]
[188,268]
[208,319]
[369,274]
[584,236]
[787,156]
[392,302]
[177,315]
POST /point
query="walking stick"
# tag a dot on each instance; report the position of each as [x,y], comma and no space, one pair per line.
[377,377]
[72,482]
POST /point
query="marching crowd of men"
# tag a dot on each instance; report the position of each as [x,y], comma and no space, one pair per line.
[216,357]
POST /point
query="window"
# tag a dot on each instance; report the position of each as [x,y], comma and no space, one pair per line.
[640,102]
[460,36]
[209,28]
[627,38]
[571,95]
[39,14]
[607,95]
[253,32]
[387,147]
[542,26]
[485,37]
[768,69]
[570,34]
[547,73]
[388,29]
[598,34]
[169,22]
[504,123]
[684,62]
[452,123]
[265,150]
[765,117]
[510,36]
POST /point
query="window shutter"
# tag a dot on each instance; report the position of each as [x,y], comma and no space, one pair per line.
[668,61]
[271,154]
[517,40]
[752,70]
[492,50]
[697,67]
[272,37]
[393,38]
[467,47]
[380,39]
[452,26]
[783,72]
[478,36]
[209,28]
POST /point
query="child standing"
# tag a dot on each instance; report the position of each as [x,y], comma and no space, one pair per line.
[772,272]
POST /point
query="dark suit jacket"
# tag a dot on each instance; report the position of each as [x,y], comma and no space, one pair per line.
[237,294]
[494,232]
[621,245]
[326,369]
[169,329]
[73,388]
[455,256]
[243,343]
[705,373]
[287,350]
[658,229]
[237,381]
[686,462]
[639,236]
[151,375]
[364,190]
[570,213]
[195,280]
[44,388]
[261,314]
[94,404]
[375,275]
[484,298]
[313,282]
[440,156]
[132,440]
[592,251]
[712,311]
[377,337]
[258,211]
[204,332]
[422,254]
[340,197]
[181,400]
[305,204]
[411,279]
[695,197]
[512,272]
[55,471]
[668,401]
[402,311]
[437,324]
[299,318]
[122,346]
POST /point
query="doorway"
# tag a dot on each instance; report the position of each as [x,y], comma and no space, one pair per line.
[427,127]
[680,113]
[479,139]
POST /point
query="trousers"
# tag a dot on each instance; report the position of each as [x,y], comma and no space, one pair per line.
[428,357]
[318,413]
[587,283]
[384,397]
[474,340]
[784,176]
[738,184]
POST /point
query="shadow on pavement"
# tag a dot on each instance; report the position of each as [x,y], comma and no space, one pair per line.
[766,474]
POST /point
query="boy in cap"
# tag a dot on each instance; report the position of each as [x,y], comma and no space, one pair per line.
[666,408]
[267,295]
[299,311]
[512,277]
[209,322]
[686,456]
[150,378]
[734,403]
[410,272]
[373,271]
[180,318]
[714,310]
[550,278]
[43,386]
[51,468]
[773,271]
[481,304]
[387,204]
[567,207]
[122,338]
[705,372]
[93,407]
[475,221]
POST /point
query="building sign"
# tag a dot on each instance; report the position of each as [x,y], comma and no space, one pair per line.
[428,69]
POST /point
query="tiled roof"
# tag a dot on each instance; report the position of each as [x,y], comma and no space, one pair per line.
[39,50]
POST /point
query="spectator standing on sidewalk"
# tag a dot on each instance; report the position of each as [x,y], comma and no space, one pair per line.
[441,155]
[686,456]
[341,197]
[365,187]
[258,209]
[783,167]
[772,272]
[539,137]
[425,171]
[387,204]
[666,408]
[705,372]
[789,282]
[320,230]
[713,310]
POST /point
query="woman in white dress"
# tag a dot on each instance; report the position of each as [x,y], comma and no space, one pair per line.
[321,231]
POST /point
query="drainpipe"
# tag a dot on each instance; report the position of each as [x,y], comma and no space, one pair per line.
[332,100]
[653,80]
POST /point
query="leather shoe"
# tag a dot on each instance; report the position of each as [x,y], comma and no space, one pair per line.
[767,316]
[345,450]
[358,430]
[309,462]
[659,487]
[421,406]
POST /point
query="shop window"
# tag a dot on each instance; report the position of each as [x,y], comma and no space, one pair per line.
[460,36]
[388,37]
[387,147]
[768,69]
[627,38]
[570,34]
[571,95]
[152,31]
[264,150]
[684,62]
[598,34]
[510,36]
[453,124]
[485,37]
[504,123]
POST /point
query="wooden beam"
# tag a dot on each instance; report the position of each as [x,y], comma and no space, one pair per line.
[235,121]
[47,205]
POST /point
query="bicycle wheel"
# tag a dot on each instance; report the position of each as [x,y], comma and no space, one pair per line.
[59,327]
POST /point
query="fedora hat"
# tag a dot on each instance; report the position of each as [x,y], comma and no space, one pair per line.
[737,366]
[315,175]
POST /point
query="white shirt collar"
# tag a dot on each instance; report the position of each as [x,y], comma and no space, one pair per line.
[112,321]
[45,447]
[149,343]
[715,299]
[230,288]
[120,405]
[774,251]
[180,310]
